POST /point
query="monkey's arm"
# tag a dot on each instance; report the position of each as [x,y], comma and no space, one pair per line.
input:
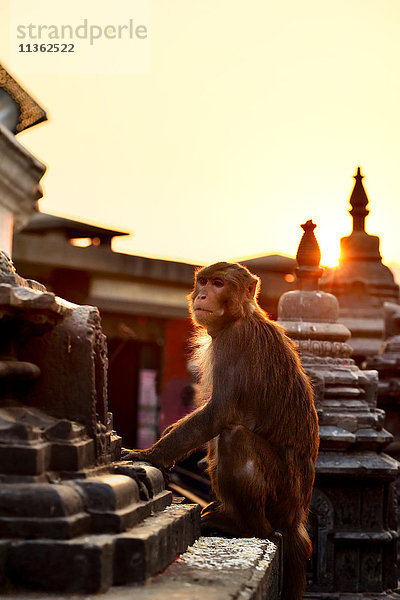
[192,431]
[204,423]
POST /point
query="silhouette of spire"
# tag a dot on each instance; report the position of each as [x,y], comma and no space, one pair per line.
[361,283]
[308,258]
[359,201]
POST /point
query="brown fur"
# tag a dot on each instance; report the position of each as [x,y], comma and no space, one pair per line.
[257,409]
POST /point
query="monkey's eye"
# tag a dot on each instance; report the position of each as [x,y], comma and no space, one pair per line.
[202,281]
[218,282]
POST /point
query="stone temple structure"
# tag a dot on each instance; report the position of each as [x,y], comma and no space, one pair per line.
[352,518]
[361,282]
[387,363]
[72,516]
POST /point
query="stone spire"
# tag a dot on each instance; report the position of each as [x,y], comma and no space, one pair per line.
[360,245]
[306,311]
[359,201]
[308,258]
[351,471]
[361,282]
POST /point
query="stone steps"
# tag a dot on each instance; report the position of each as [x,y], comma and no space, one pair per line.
[212,569]
[93,563]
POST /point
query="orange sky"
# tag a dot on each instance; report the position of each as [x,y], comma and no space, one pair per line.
[252,119]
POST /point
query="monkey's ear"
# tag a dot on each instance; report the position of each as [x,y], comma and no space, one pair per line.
[251,290]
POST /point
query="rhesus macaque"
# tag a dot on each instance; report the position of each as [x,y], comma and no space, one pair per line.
[257,413]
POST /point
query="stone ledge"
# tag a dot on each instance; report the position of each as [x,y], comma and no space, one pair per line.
[212,569]
[390,595]
[92,563]
[357,464]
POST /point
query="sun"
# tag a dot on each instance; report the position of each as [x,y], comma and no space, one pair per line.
[330,252]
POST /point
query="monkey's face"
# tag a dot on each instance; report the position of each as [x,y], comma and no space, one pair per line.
[223,293]
[209,302]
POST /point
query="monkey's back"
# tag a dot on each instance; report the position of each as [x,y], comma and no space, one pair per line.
[272,386]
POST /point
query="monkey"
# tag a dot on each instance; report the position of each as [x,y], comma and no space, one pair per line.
[256,411]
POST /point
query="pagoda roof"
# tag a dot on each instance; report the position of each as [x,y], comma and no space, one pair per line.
[271,262]
[30,113]
[42,223]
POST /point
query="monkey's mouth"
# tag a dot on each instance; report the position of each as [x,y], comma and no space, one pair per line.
[202,309]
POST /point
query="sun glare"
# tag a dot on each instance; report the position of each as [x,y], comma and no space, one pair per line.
[330,253]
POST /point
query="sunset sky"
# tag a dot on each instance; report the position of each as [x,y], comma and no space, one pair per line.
[252,117]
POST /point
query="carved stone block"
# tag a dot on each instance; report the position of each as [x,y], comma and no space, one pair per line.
[63,501]
[154,544]
[73,566]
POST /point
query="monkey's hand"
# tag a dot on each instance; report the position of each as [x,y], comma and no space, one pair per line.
[142,455]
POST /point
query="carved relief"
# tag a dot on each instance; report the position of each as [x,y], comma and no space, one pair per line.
[321,529]
[324,348]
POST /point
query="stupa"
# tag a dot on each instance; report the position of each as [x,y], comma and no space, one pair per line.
[352,518]
[361,282]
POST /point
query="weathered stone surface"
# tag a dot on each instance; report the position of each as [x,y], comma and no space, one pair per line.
[73,566]
[63,502]
[354,596]
[74,345]
[114,504]
[35,510]
[66,346]
[387,363]
[144,473]
[33,442]
[212,569]
[154,544]
[76,455]
[32,458]
[92,563]
[30,297]
[356,464]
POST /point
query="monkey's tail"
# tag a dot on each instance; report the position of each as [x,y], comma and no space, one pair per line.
[296,552]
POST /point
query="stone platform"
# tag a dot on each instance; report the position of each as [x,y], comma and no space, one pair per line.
[361,596]
[213,568]
[94,562]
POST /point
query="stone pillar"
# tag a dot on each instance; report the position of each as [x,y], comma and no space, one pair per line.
[352,518]
[361,282]
[387,363]
[20,173]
